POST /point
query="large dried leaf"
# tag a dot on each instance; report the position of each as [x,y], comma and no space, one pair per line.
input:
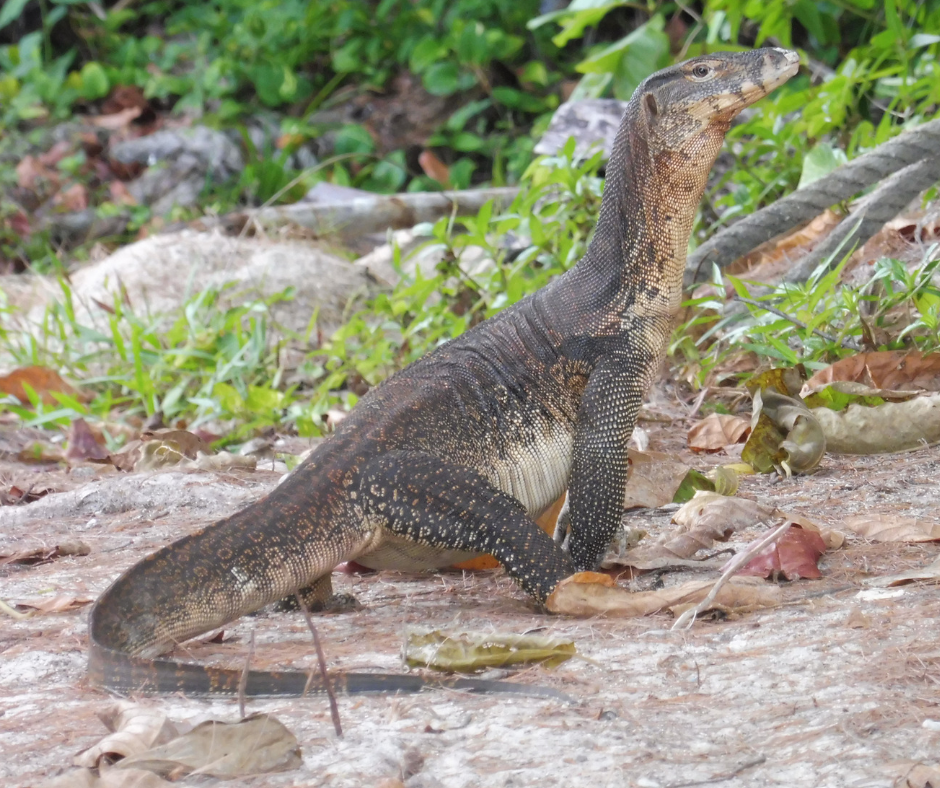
[594,594]
[930,572]
[786,435]
[793,555]
[109,778]
[899,370]
[82,443]
[894,528]
[466,652]
[37,555]
[258,744]
[42,380]
[59,603]
[716,431]
[135,728]
[654,479]
[887,428]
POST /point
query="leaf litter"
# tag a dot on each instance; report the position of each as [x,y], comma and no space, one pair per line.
[648,696]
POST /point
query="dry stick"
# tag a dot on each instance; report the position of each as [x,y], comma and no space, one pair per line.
[334,709]
[243,681]
[848,344]
[749,764]
[688,618]
[810,201]
[380,212]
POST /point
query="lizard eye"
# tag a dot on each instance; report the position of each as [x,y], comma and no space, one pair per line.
[701,71]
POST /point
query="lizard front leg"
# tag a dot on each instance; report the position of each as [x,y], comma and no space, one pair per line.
[600,464]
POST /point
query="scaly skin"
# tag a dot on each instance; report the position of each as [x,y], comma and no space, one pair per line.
[456,455]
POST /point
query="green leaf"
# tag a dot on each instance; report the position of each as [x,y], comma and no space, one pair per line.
[11,10]
[353,139]
[820,161]
[441,79]
[633,58]
[95,82]
[428,51]
[588,14]
[517,99]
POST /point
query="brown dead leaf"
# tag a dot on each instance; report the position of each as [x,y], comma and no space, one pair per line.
[74,198]
[857,619]
[654,478]
[36,555]
[929,572]
[716,431]
[108,778]
[42,380]
[595,594]
[884,429]
[894,528]
[920,775]
[31,174]
[82,444]
[16,496]
[116,120]
[135,728]
[895,370]
[793,556]
[434,168]
[258,744]
[773,258]
[59,603]
[120,194]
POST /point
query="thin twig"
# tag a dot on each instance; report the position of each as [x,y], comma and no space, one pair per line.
[688,618]
[334,709]
[243,681]
[848,344]
[726,776]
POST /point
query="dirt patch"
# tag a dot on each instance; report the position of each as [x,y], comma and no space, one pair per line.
[839,686]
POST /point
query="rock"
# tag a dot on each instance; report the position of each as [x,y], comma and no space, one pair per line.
[592,122]
[212,149]
[157,275]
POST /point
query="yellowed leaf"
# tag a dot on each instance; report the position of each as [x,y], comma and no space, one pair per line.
[594,594]
[716,431]
[894,528]
[887,428]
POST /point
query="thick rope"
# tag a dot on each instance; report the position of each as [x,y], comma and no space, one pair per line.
[911,147]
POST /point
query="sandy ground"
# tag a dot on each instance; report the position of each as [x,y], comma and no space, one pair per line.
[839,686]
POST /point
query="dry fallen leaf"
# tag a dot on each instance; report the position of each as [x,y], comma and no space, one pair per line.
[35,555]
[793,555]
[42,380]
[595,594]
[899,370]
[929,572]
[716,431]
[135,728]
[434,168]
[258,744]
[887,428]
[894,528]
[56,604]
[785,435]
[654,479]
[82,444]
[466,652]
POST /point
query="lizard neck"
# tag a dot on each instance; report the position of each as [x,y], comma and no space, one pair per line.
[631,275]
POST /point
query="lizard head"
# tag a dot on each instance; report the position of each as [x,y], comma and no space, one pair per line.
[690,106]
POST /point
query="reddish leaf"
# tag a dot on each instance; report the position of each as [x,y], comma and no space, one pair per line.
[55,154]
[434,168]
[793,556]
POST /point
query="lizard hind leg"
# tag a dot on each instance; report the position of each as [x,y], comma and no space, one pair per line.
[444,506]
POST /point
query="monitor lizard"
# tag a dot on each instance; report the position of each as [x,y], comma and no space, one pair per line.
[455,455]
